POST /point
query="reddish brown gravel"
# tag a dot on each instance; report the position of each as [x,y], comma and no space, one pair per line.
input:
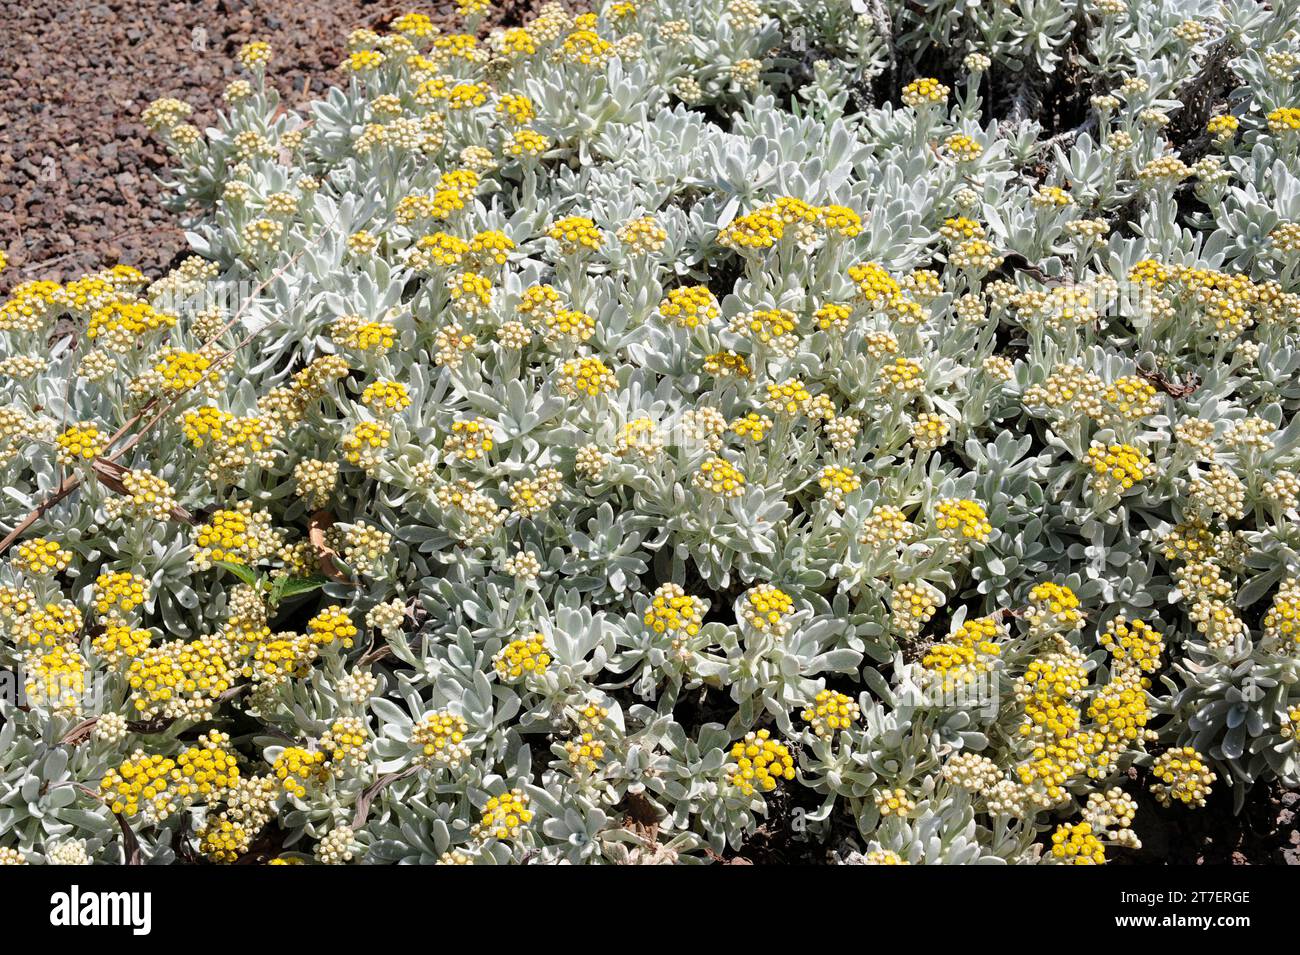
[77,169]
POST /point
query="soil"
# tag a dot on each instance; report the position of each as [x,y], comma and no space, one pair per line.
[78,171]
[1266,832]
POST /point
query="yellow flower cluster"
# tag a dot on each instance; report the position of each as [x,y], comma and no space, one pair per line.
[960,228]
[470,291]
[363,243]
[719,476]
[537,302]
[254,55]
[345,742]
[886,526]
[962,148]
[362,61]
[586,750]
[1053,607]
[140,780]
[760,229]
[967,652]
[568,323]
[181,370]
[178,679]
[55,679]
[759,763]
[830,712]
[576,233]
[929,431]
[491,247]
[1133,644]
[1184,777]
[297,769]
[962,520]
[467,96]
[118,591]
[766,609]
[535,495]
[1120,713]
[767,326]
[1226,303]
[1222,127]
[439,738]
[587,48]
[205,424]
[727,364]
[672,611]
[470,439]
[765,226]
[894,802]
[166,113]
[236,535]
[912,604]
[40,557]
[224,841]
[46,625]
[119,326]
[516,106]
[386,397]
[1290,723]
[1116,467]
[1285,119]
[833,316]
[16,603]
[332,626]
[1282,621]
[505,816]
[480,514]
[753,427]
[977,255]
[840,220]
[902,376]
[584,377]
[159,785]
[522,658]
[29,305]
[80,443]
[144,495]
[1051,197]
[788,397]
[883,857]
[925,91]
[837,481]
[438,249]
[527,143]
[1075,844]
[416,25]
[643,236]
[1048,689]
[120,641]
[364,444]
[689,306]
[877,287]
[1132,398]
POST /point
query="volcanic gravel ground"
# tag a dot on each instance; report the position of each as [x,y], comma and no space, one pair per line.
[77,168]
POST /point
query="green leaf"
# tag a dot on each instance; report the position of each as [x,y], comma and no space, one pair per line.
[239,570]
[277,590]
[295,586]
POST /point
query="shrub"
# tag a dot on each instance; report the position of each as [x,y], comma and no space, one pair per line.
[583,443]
